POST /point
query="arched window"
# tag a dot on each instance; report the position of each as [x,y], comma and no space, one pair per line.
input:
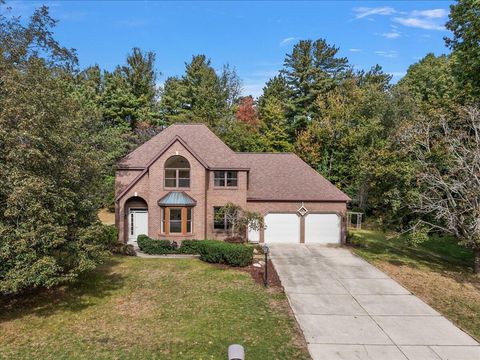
[177,172]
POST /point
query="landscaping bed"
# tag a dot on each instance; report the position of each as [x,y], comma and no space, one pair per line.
[438,271]
[212,251]
[132,308]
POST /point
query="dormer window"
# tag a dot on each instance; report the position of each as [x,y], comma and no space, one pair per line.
[225,178]
[177,172]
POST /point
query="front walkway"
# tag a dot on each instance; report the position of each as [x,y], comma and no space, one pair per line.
[348,309]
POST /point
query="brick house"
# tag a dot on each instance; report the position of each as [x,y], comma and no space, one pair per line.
[171,187]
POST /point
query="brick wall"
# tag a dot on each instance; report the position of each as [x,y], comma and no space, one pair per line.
[151,189]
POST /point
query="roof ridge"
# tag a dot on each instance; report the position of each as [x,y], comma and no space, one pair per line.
[193,123]
[264,153]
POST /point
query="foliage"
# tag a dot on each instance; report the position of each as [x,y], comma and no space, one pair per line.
[200,95]
[246,111]
[163,247]
[239,219]
[153,246]
[311,70]
[189,247]
[49,169]
[219,252]
[429,83]
[417,236]
[212,251]
[464,23]
[449,176]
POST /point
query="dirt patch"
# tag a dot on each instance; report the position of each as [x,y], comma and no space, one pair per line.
[106,217]
[258,274]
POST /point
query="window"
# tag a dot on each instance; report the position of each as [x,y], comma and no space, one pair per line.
[225,178]
[177,172]
[175,221]
[179,220]
[220,224]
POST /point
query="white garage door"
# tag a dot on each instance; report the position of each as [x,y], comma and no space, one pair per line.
[282,228]
[322,229]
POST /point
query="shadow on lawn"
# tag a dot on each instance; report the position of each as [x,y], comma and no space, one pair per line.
[440,254]
[71,297]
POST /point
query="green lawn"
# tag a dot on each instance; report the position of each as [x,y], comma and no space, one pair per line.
[132,308]
[438,271]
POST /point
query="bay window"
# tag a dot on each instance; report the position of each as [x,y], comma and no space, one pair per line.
[177,220]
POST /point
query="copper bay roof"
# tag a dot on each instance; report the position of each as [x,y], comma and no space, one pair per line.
[272,176]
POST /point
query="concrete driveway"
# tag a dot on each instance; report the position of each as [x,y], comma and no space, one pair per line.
[348,309]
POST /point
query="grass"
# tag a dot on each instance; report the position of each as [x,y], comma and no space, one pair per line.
[438,271]
[132,308]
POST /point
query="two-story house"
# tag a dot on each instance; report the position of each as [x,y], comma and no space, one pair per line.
[171,186]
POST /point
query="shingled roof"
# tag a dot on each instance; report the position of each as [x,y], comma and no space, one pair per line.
[284,176]
[198,137]
[272,176]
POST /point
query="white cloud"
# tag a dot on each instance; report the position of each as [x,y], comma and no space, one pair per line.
[415,22]
[430,14]
[254,89]
[287,40]
[387,54]
[363,12]
[430,19]
[355,50]
[391,35]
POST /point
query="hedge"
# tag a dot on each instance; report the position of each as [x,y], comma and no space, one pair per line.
[212,251]
[155,247]
[189,246]
[163,247]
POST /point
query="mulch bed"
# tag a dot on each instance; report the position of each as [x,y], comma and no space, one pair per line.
[258,274]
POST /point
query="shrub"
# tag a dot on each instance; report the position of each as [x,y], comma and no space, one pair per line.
[214,251]
[418,236]
[104,235]
[357,240]
[124,249]
[189,246]
[154,247]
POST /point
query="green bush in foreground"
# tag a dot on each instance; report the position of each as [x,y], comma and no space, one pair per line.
[155,247]
[189,247]
[212,251]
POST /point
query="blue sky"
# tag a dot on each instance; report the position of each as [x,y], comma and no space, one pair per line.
[253,37]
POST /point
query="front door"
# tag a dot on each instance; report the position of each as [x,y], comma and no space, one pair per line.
[137,224]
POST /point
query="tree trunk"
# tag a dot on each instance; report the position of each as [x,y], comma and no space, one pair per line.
[476,261]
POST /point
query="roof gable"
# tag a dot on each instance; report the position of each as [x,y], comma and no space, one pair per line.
[272,176]
[198,138]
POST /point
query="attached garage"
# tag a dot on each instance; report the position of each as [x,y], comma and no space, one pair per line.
[282,228]
[322,229]
[286,228]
